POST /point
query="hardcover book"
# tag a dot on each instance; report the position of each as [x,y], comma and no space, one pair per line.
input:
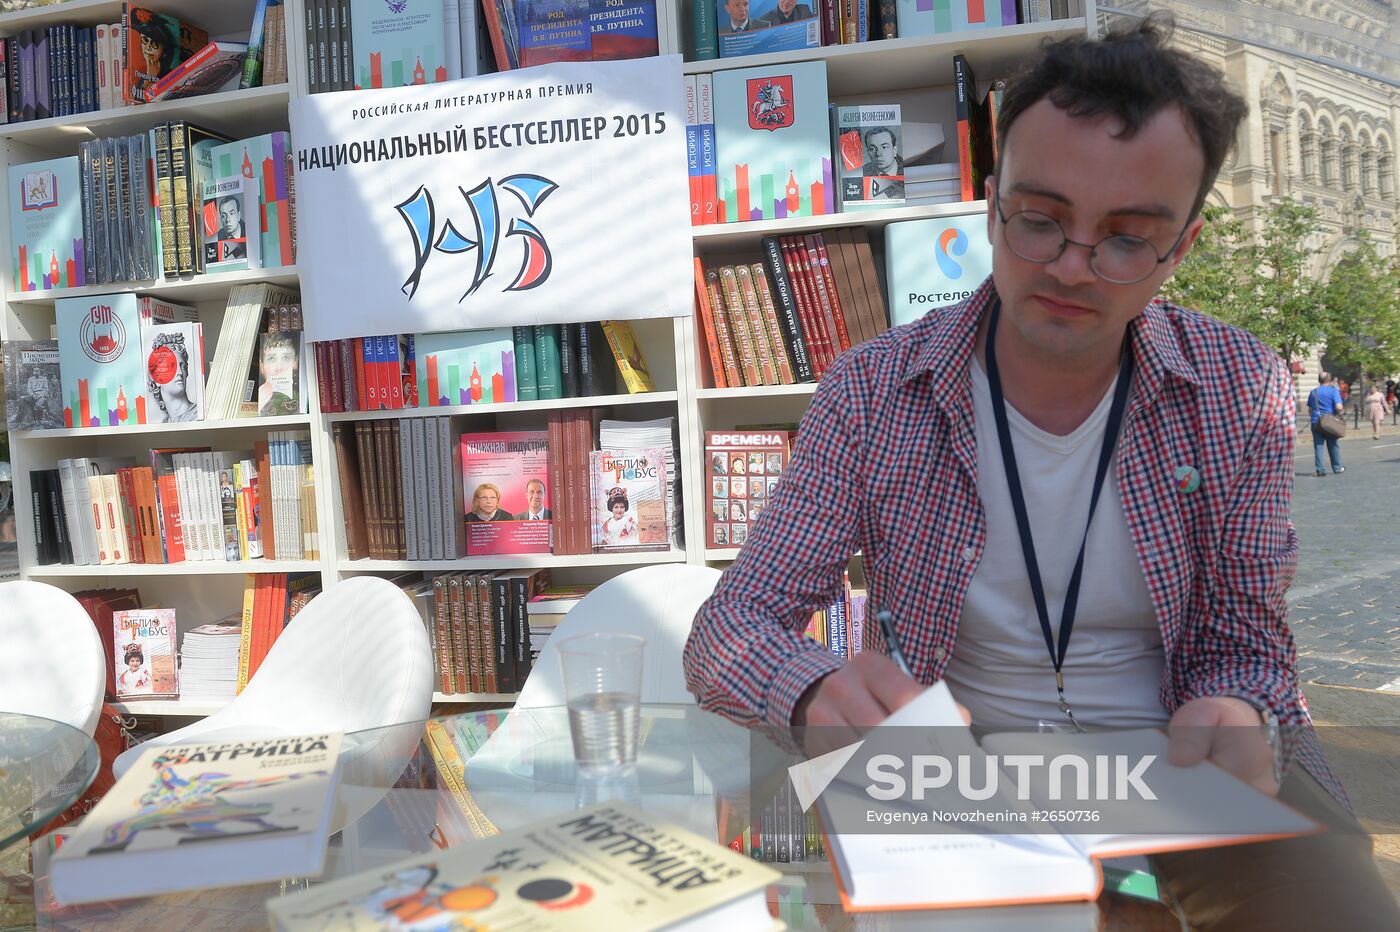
[741,475]
[622,29]
[769,26]
[46,226]
[174,355]
[592,868]
[927,17]
[506,494]
[281,374]
[33,389]
[216,67]
[869,159]
[155,44]
[244,811]
[628,508]
[99,348]
[465,367]
[553,30]
[399,43]
[263,160]
[145,653]
[961,260]
[773,142]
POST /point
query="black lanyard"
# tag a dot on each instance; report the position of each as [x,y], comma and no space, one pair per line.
[1018,502]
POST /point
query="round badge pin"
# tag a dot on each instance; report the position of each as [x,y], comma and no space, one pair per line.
[1188,479]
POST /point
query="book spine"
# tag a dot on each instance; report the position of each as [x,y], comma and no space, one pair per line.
[442,651]
[738,323]
[794,257]
[131,513]
[254,58]
[831,22]
[758,331]
[85,192]
[457,633]
[314,82]
[568,360]
[43,76]
[965,93]
[770,323]
[789,321]
[503,630]
[709,168]
[819,263]
[338,81]
[526,381]
[472,634]
[407,488]
[692,150]
[728,346]
[347,49]
[12,80]
[588,382]
[620,338]
[182,199]
[547,361]
[707,331]
[704,30]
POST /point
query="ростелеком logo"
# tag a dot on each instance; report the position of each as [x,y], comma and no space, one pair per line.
[951,242]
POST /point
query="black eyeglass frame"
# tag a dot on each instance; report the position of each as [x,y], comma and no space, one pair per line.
[1066,242]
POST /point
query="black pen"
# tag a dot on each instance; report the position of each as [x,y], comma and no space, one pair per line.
[885,619]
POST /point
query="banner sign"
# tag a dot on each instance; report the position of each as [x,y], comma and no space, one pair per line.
[551,194]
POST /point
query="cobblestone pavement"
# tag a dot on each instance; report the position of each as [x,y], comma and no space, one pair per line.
[1345,600]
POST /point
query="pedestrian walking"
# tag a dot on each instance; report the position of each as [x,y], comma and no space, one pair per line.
[1325,399]
[1376,408]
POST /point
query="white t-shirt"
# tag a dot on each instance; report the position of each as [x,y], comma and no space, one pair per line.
[1000,668]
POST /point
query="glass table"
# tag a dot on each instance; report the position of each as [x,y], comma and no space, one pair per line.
[44,767]
[418,787]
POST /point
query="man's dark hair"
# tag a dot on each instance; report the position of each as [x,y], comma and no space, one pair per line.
[1132,74]
[877,130]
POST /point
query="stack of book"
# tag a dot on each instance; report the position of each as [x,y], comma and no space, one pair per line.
[270,601]
[546,610]
[238,384]
[660,434]
[209,661]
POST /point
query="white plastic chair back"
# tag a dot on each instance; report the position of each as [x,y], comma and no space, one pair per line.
[52,664]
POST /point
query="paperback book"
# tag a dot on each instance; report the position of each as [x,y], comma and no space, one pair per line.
[766,26]
[155,44]
[628,499]
[397,44]
[145,647]
[505,485]
[216,67]
[281,374]
[263,160]
[869,160]
[246,811]
[46,226]
[741,476]
[226,207]
[174,355]
[962,260]
[99,348]
[33,389]
[465,367]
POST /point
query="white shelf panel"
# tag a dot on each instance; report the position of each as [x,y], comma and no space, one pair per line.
[513,561]
[256,109]
[246,423]
[714,236]
[184,708]
[186,291]
[475,697]
[187,568]
[218,17]
[554,404]
[756,391]
[915,61]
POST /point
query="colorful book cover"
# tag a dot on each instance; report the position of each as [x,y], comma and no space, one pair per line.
[214,68]
[628,508]
[593,868]
[226,204]
[869,159]
[465,367]
[766,26]
[505,477]
[773,142]
[46,226]
[962,259]
[622,29]
[263,160]
[741,475]
[33,388]
[927,17]
[554,30]
[174,372]
[99,348]
[627,355]
[281,375]
[156,43]
[398,42]
[246,811]
[145,653]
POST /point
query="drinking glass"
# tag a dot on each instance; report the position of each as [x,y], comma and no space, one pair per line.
[603,691]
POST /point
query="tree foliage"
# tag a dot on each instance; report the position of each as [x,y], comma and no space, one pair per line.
[1362,302]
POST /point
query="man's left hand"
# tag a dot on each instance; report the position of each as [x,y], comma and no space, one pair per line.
[1229,733]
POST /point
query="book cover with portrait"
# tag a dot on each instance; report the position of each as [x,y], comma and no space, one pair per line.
[144,642]
[506,496]
[100,360]
[627,507]
[281,374]
[869,156]
[227,208]
[174,357]
[753,27]
[741,474]
[33,388]
[155,44]
[265,161]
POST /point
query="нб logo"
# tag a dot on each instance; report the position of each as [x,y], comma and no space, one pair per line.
[951,242]
[770,102]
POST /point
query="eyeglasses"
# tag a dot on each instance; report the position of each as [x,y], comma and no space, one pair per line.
[1121,259]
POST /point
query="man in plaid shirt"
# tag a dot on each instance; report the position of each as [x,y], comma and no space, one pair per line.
[961,456]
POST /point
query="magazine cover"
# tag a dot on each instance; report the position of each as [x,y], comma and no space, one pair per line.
[741,474]
[869,159]
[772,142]
[962,259]
[262,160]
[281,376]
[33,389]
[244,811]
[227,206]
[155,44]
[398,43]
[505,476]
[174,357]
[607,866]
[144,639]
[99,349]
[46,226]
[465,367]
[628,499]
[766,26]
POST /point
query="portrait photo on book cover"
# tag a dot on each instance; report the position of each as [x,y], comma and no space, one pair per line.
[33,397]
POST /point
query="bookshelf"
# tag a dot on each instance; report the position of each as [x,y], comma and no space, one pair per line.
[206,591]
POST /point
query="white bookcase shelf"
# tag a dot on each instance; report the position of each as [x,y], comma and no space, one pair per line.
[207,591]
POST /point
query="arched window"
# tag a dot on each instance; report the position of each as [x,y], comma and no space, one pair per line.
[1368,165]
[1385,170]
[1328,143]
[1349,182]
[1307,148]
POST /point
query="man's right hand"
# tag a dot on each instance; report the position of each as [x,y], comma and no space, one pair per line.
[842,706]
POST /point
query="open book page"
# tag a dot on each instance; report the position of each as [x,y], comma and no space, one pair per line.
[1105,773]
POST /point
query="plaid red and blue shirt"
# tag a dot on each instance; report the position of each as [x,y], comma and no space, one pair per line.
[891,423]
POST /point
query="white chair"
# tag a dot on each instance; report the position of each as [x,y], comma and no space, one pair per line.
[355,658]
[657,602]
[53,664]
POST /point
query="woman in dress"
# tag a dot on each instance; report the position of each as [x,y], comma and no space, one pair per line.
[1376,409]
